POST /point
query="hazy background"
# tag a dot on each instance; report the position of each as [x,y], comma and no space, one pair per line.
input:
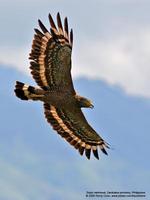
[111,66]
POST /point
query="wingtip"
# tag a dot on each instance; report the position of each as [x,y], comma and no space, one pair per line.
[88,153]
[43,28]
[81,150]
[71,36]
[59,23]
[104,151]
[58,14]
[95,152]
[52,23]
[39,22]
[65,19]
[49,15]
[66,25]
[58,18]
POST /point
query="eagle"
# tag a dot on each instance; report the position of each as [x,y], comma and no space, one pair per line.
[50,67]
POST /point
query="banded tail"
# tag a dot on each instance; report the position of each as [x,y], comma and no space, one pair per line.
[27,92]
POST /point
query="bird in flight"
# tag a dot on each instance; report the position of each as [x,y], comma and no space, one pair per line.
[51,69]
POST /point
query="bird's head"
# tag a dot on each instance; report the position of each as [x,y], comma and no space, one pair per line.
[84,102]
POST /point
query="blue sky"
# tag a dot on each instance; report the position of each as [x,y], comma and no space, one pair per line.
[36,163]
[111,51]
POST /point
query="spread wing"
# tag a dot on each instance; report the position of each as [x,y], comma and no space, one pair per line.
[73,127]
[51,55]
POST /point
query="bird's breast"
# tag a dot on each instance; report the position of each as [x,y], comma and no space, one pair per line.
[59,98]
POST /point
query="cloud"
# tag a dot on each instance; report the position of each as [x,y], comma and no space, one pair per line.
[122,60]
[15,57]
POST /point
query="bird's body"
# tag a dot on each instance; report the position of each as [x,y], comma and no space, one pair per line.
[51,69]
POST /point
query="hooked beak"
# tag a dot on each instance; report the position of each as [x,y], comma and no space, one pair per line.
[91,106]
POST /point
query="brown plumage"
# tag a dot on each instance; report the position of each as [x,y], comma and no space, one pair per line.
[51,68]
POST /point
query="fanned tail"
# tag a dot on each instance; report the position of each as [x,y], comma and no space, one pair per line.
[27,92]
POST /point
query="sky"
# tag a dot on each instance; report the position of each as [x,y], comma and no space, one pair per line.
[111,58]
[35,163]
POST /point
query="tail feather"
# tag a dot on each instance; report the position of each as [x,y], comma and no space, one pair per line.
[26,92]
